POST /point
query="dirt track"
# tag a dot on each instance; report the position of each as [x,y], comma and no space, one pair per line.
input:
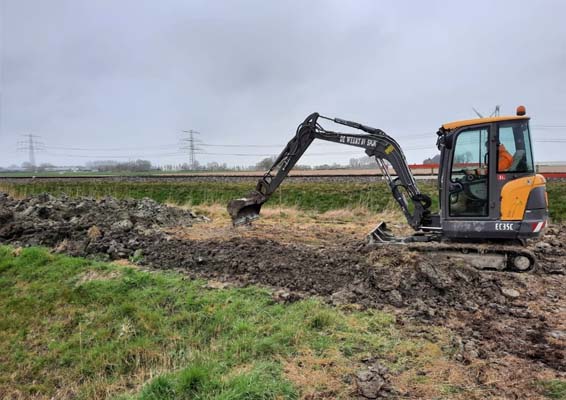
[512,324]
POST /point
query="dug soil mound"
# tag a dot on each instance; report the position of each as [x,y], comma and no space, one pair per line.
[496,314]
[107,228]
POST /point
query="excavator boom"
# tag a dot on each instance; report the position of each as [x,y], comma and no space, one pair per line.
[376,144]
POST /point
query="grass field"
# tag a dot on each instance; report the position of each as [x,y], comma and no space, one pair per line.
[315,196]
[72,328]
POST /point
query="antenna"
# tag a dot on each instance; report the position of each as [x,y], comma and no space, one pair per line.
[495,112]
[477,113]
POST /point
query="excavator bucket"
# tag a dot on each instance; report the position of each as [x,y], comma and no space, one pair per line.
[381,234]
[246,209]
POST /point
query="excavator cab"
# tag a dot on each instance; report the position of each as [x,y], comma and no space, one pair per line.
[488,186]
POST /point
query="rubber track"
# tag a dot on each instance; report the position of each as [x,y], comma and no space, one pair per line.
[480,249]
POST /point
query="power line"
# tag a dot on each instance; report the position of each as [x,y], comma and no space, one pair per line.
[306,154]
[196,144]
[164,147]
[205,145]
[107,157]
[179,153]
[242,145]
[195,147]
[203,152]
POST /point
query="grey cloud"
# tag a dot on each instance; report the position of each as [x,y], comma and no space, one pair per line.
[125,73]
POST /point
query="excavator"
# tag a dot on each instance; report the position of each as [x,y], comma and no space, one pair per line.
[491,200]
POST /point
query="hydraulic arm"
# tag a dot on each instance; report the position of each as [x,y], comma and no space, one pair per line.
[376,143]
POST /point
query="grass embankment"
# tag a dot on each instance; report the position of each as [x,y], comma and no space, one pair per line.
[73,328]
[315,196]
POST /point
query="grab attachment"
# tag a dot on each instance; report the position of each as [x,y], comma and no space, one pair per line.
[246,209]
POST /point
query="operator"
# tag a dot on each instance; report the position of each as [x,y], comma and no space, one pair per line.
[505,159]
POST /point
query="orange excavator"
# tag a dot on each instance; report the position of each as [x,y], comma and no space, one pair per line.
[491,199]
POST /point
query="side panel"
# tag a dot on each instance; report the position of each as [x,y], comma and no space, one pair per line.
[481,229]
[515,196]
[533,226]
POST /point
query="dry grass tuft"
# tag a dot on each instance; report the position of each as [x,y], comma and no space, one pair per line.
[291,225]
[94,232]
[97,275]
[320,377]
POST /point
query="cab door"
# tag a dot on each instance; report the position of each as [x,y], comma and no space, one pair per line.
[467,175]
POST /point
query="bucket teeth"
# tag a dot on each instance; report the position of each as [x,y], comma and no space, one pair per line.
[246,209]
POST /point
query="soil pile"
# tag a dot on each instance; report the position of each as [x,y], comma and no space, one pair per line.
[108,228]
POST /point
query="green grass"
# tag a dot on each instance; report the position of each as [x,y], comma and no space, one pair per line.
[553,389]
[315,196]
[557,200]
[74,327]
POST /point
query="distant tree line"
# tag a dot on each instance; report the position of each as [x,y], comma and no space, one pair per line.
[115,166]
[432,160]
[146,166]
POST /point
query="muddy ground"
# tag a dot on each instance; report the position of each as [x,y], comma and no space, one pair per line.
[509,327]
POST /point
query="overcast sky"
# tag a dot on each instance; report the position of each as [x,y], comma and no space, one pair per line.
[116,79]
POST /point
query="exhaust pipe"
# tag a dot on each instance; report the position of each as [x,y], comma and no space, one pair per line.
[245,210]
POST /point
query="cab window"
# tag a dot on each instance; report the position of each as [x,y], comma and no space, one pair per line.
[469,177]
[470,152]
[514,148]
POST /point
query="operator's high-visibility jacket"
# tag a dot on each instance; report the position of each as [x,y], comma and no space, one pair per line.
[505,159]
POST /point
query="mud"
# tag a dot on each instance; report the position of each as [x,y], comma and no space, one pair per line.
[496,315]
[374,382]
